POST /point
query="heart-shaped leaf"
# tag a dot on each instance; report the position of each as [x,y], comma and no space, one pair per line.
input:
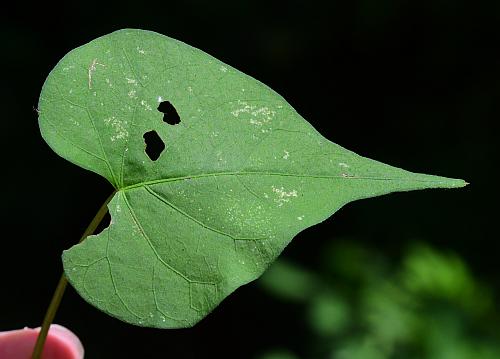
[230,175]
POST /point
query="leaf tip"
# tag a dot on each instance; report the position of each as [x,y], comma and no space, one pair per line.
[456,183]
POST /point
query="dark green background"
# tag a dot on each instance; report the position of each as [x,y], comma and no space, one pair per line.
[410,83]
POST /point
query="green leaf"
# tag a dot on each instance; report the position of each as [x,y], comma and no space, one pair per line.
[240,175]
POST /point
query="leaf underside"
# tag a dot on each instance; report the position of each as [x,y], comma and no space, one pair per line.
[240,175]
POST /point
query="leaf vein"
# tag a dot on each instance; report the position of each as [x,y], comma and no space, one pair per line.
[148,240]
[262,173]
[115,288]
[187,215]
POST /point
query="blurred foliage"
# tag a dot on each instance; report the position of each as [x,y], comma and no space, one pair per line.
[278,354]
[364,305]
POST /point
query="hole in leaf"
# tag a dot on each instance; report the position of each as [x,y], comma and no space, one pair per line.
[170,114]
[154,145]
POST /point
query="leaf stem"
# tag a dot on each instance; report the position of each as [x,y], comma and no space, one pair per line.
[63,282]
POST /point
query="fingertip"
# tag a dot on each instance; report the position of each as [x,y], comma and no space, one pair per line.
[61,343]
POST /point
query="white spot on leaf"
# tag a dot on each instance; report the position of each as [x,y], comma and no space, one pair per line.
[92,69]
[118,126]
[283,196]
[255,122]
[146,106]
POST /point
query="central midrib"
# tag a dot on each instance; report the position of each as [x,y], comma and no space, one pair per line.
[254,173]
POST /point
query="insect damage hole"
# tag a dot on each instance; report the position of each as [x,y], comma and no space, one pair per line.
[170,114]
[154,145]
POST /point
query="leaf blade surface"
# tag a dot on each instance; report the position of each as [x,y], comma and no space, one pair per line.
[240,176]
